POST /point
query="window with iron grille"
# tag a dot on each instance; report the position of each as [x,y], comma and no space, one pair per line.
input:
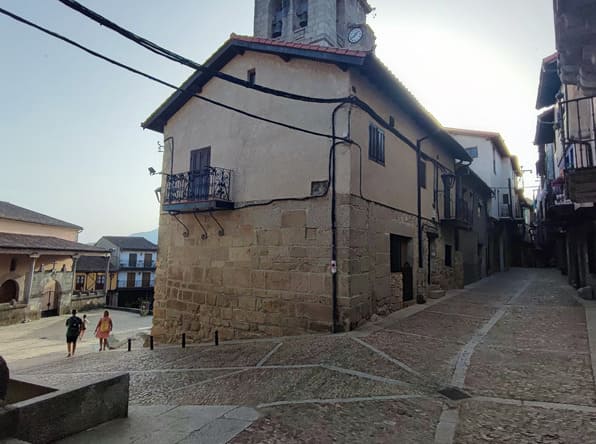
[376,144]
[100,282]
[80,282]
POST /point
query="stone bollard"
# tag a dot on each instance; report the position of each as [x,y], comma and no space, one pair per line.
[4,376]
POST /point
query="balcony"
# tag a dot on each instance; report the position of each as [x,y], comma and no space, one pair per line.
[137,283]
[139,264]
[458,213]
[198,191]
[557,205]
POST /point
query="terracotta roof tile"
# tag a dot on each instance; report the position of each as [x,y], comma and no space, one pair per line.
[297,45]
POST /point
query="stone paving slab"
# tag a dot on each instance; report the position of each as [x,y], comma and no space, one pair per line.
[529,375]
[431,357]
[225,355]
[483,422]
[458,307]
[258,386]
[169,425]
[527,328]
[438,325]
[340,351]
[411,421]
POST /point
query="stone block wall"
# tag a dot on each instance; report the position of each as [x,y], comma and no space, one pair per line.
[268,275]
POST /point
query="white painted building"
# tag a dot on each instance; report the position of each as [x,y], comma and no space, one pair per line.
[494,164]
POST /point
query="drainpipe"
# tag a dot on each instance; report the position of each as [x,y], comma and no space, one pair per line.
[335,325]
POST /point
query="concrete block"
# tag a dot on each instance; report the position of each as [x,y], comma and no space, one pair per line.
[293,218]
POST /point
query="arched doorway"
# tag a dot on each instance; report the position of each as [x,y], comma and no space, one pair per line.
[50,299]
[9,291]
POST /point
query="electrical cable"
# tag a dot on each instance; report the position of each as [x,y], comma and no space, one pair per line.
[160,50]
[160,81]
[153,47]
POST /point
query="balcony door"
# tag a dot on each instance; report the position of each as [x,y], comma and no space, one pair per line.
[200,161]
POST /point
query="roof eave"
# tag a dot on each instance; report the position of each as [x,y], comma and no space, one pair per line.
[230,49]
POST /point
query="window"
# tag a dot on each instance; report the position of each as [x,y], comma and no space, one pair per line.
[506,199]
[13,264]
[276,12]
[146,282]
[398,252]
[251,76]
[376,144]
[473,152]
[448,258]
[132,260]
[130,280]
[422,172]
[494,160]
[148,260]
[301,19]
[100,282]
[80,282]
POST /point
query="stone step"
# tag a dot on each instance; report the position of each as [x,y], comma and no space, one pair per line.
[436,294]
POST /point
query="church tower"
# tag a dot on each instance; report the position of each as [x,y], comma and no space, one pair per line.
[334,23]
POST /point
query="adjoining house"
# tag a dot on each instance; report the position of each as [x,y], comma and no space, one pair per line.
[37,256]
[566,140]
[497,168]
[269,231]
[131,270]
[474,199]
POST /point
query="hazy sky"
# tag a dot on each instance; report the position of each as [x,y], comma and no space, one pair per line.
[72,145]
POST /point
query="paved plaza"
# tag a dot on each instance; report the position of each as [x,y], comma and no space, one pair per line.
[514,346]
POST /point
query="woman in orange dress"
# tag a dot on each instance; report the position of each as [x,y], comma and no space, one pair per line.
[103,329]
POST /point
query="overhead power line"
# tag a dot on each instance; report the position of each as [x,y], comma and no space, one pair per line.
[153,47]
[160,50]
[163,82]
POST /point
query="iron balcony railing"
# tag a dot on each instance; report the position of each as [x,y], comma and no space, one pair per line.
[577,119]
[137,283]
[138,264]
[193,186]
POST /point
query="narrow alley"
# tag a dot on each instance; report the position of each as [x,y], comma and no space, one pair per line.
[505,360]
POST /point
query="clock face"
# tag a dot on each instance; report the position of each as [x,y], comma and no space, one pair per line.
[355,35]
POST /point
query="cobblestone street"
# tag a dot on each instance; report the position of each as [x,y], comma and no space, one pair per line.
[516,343]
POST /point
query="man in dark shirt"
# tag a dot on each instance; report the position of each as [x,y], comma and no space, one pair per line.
[73,329]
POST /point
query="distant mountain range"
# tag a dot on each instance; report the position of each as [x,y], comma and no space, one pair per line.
[151,236]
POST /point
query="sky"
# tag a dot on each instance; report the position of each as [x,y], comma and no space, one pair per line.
[72,144]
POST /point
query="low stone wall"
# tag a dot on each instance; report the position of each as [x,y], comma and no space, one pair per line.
[56,415]
[87,302]
[13,314]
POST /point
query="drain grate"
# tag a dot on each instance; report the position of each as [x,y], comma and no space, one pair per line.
[454,393]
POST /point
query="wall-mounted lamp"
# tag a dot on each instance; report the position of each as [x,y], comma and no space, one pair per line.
[152,172]
[448,180]
[157,192]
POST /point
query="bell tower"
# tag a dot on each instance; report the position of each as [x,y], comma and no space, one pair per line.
[333,23]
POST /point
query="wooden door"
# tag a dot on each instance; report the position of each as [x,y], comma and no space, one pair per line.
[200,161]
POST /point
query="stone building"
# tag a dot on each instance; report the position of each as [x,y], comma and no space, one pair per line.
[37,265]
[266,230]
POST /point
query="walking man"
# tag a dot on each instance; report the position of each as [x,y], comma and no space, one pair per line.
[73,329]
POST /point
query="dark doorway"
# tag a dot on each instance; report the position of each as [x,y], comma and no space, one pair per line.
[200,162]
[50,299]
[9,291]
[398,252]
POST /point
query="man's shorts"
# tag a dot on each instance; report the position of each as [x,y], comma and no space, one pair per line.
[70,339]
